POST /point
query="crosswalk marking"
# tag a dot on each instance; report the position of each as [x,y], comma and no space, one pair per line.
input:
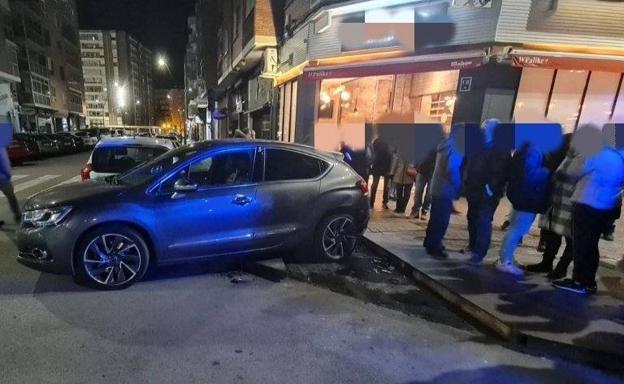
[34,182]
[18,177]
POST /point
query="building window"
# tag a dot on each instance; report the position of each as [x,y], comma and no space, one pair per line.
[601,93]
[532,95]
[62,72]
[565,102]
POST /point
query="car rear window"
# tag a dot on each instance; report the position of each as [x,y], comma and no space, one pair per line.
[120,159]
[281,165]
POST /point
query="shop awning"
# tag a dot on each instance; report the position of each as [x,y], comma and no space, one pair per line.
[412,64]
[566,60]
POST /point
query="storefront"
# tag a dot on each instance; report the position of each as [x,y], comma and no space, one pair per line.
[569,88]
[417,89]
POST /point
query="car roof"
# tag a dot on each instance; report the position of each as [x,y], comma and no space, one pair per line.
[268,143]
[134,140]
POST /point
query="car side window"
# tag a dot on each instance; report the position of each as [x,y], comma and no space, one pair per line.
[281,165]
[222,169]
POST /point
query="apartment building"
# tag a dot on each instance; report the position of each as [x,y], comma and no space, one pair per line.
[9,70]
[51,88]
[118,75]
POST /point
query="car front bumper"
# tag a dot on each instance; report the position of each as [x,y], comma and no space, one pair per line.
[48,249]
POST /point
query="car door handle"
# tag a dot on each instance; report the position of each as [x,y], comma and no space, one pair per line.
[241,200]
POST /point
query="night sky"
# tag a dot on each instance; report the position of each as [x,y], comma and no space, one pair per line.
[159,24]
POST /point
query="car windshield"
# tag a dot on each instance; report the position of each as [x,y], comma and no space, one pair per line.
[119,159]
[150,170]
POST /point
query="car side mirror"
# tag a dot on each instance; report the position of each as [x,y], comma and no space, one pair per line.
[184,185]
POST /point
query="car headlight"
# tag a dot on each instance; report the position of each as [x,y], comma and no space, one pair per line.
[45,217]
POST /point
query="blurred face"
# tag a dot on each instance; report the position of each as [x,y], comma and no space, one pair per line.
[587,141]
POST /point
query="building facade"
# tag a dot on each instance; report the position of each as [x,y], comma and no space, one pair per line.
[51,93]
[169,110]
[344,65]
[247,42]
[9,71]
[118,76]
[201,78]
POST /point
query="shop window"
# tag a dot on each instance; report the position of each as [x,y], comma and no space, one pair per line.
[601,92]
[533,94]
[618,112]
[565,102]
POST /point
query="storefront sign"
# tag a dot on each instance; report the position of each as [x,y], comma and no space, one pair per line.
[465,84]
[570,63]
[371,69]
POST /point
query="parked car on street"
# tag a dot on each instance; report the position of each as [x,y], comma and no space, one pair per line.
[88,139]
[77,141]
[211,199]
[18,151]
[31,145]
[47,146]
[65,144]
[115,155]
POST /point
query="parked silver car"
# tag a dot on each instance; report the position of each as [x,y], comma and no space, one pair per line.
[215,198]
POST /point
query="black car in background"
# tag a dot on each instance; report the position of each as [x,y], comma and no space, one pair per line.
[78,141]
[64,144]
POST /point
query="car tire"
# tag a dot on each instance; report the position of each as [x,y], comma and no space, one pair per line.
[335,238]
[111,258]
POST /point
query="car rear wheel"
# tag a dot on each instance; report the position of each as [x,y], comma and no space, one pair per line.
[111,258]
[336,238]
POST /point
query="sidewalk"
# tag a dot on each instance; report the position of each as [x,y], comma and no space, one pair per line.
[527,308]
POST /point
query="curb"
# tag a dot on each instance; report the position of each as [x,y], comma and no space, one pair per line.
[497,326]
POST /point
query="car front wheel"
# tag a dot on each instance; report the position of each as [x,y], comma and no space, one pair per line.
[111,258]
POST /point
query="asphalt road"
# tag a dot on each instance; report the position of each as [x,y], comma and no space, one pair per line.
[191,324]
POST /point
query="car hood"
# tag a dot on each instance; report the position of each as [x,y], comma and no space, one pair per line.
[73,194]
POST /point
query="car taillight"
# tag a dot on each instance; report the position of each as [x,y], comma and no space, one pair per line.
[85,172]
[363,186]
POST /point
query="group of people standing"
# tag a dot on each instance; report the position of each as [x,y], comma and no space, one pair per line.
[575,189]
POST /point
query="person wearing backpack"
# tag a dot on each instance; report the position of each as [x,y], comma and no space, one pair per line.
[528,191]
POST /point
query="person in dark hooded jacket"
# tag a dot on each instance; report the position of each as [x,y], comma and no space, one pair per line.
[382,161]
[485,176]
[527,190]
[445,188]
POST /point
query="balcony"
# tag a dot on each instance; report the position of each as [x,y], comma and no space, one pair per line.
[247,49]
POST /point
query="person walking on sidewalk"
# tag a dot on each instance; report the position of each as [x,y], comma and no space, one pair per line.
[556,223]
[527,191]
[382,161]
[6,186]
[422,193]
[402,182]
[485,176]
[445,188]
[597,202]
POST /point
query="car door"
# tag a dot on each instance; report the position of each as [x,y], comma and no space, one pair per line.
[287,195]
[216,218]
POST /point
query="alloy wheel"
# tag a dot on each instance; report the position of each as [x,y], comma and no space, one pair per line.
[339,238]
[112,259]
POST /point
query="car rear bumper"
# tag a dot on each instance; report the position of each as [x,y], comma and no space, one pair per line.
[47,249]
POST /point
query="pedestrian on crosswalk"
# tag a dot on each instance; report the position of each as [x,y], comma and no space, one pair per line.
[6,186]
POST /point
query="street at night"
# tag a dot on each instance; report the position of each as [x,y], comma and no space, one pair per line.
[311,191]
